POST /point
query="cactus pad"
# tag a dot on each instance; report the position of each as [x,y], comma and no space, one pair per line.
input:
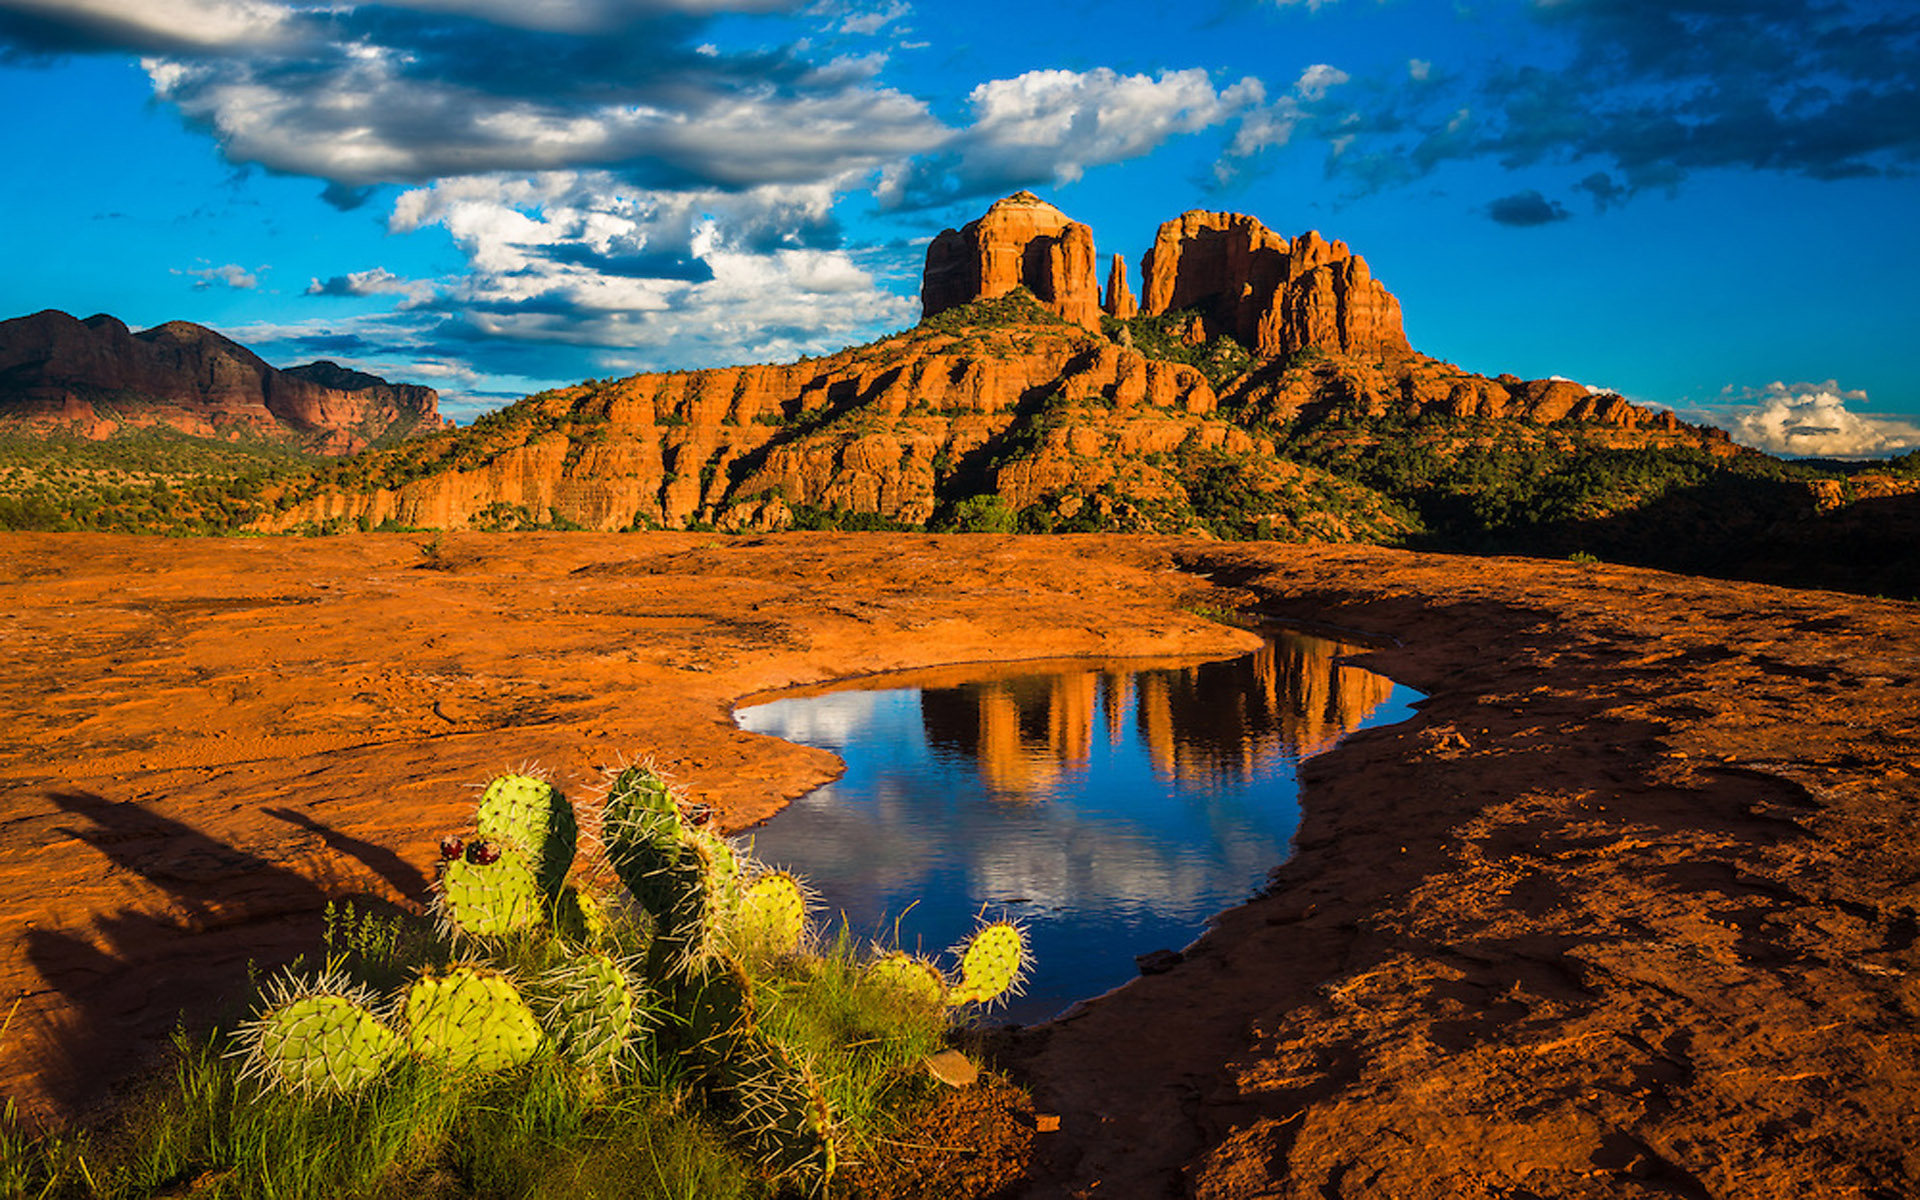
[596,1010]
[470,1019]
[993,964]
[771,915]
[579,916]
[321,1037]
[531,813]
[493,898]
[908,980]
[779,1109]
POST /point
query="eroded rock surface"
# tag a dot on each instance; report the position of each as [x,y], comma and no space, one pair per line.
[95,376]
[1273,296]
[1021,241]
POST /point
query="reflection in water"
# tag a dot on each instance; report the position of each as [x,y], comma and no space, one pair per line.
[1114,810]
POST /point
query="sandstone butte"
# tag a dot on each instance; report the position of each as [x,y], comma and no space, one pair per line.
[1011,386]
[95,377]
[1627,907]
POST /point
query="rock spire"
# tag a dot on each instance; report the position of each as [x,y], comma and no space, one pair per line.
[1021,240]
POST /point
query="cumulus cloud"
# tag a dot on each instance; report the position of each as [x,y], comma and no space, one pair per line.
[1814,420]
[1053,125]
[231,275]
[366,113]
[665,279]
[157,26]
[1523,209]
[375,282]
[874,20]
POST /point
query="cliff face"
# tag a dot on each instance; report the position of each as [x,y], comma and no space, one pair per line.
[1272,296]
[94,376]
[1021,241]
[1007,396]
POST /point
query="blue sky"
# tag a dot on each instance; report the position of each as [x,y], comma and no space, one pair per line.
[1703,204]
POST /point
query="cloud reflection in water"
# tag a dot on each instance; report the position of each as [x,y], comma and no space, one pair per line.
[1114,808]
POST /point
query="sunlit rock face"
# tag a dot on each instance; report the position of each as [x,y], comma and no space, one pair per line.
[94,377]
[1021,241]
[1271,295]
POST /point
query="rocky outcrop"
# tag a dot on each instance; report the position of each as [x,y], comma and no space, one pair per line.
[96,376]
[1272,296]
[1067,428]
[1021,241]
[1120,302]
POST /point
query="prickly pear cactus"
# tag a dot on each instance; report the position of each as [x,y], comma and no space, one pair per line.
[579,916]
[470,1018]
[993,964]
[491,890]
[716,1011]
[319,1037]
[640,808]
[770,916]
[780,1111]
[909,980]
[595,1011]
[531,813]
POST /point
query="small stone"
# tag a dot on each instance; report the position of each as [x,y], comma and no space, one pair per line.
[1157,962]
[952,1068]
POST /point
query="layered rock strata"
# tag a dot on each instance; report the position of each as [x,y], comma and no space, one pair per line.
[96,376]
[1021,241]
[1273,296]
[1120,302]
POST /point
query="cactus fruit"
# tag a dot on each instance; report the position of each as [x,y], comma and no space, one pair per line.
[318,1037]
[908,980]
[771,914]
[532,814]
[993,964]
[470,1018]
[491,898]
[595,1012]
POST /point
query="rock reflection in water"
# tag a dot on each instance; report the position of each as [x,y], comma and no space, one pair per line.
[1114,809]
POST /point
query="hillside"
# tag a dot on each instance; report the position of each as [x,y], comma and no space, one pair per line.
[95,378]
[1019,402]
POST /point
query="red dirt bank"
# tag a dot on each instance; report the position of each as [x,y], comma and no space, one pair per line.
[1628,909]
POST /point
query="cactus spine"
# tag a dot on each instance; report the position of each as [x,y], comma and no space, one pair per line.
[320,1037]
[993,964]
[470,1018]
[530,813]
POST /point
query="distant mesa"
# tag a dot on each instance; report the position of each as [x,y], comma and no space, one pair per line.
[95,377]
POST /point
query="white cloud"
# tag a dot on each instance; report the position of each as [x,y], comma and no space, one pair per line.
[582,16]
[1813,420]
[1056,124]
[231,275]
[154,24]
[875,20]
[376,282]
[1266,125]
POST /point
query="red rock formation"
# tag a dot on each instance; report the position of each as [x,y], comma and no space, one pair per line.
[1120,301]
[1021,240]
[95,376]
[1272,296]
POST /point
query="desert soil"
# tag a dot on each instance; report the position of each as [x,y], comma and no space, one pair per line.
[1627,909]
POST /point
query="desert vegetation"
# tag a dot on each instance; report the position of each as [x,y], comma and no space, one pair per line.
[656,1017]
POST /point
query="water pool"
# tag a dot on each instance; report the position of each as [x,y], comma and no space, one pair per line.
[1112,808]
